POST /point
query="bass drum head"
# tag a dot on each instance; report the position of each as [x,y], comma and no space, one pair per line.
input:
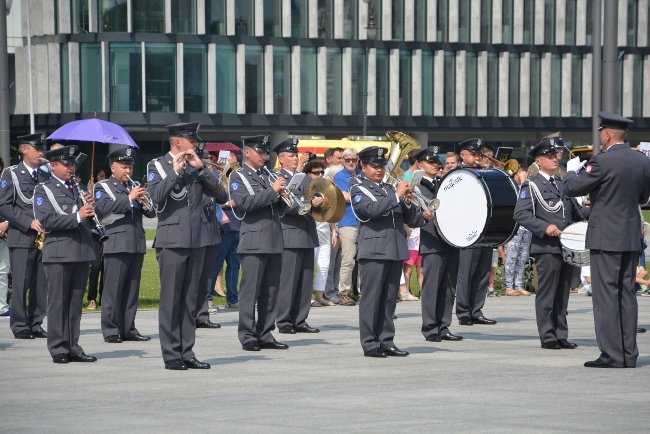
[463,212]
[572,241]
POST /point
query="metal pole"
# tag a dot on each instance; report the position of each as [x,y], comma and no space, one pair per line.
[29,73]
[597,77]
[610,61]
[365,94]
[4,91]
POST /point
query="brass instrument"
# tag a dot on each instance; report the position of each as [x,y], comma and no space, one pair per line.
[100,227]
[40,240]
[224,168]
[333,208]
[510,167]
[146,201]
[401,145]
[417,198]
[291,199]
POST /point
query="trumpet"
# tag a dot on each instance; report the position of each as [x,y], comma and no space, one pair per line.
[510,167]
[417,198]
[291,199]
[145,200]
[100,227]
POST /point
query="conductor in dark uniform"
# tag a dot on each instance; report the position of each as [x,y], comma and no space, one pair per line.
[472,283]
[544,209]
[300,240]
[382,213]
[439,261]
[258,205]
[67,252]
[617,181]
[16,206]
[177,182]
[124,249]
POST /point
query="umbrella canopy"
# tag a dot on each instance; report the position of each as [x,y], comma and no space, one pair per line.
[222,146]
[93,130]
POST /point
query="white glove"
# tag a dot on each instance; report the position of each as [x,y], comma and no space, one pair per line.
[575,165]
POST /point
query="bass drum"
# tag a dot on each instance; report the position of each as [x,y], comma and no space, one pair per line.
[476,208]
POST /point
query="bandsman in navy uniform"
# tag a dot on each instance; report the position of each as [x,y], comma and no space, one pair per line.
[544,209]
[67,252]
[258,204]
[124,249]
[382,212]
[439,261]
[617,181]
[300,240]
[472,283]
[177,182]
[16,206]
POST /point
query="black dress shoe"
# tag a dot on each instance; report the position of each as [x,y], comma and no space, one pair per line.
[176,365]
[466,321]
[306,329]
[451,337]
[137,338]
[566,344]
[597,364]
[640,330]
[287,330]
[274,345]
[208,325]
[433,338]
[250,346]
[60,358]
[375,352]
[483,320]
[113,339]
[195,364]
[24,334]
[83,357]
[396,352]
[551,345]
[40,333]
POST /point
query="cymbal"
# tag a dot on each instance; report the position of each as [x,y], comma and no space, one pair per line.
[333,208]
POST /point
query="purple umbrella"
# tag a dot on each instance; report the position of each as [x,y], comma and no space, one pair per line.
[93,130]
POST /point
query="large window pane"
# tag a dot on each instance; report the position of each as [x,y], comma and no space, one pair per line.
[272,18]
[80,16]
[632,14]
[90,77]
[299,18]
[126,77]
[556,84]
[529,21]
[281,80]
[244,17]
[160,81]
[382,83]
[471,84]
[486,21]
[226,79]
[576,85]
[65,79]
[215,16]
[148,15]
[358,69]
[112,16]
[513,84]
[195,77]
[183,16]
[570,27]
[397,24]
[405,83]
[350,21]
[325,18]
[308,70]
[637,85]
[450,83]
[535,84]
[334,81]
[463,20]
[507,21]
[420,20]
[254,79]
[443,21]
[549,22]
[427,83]
[493,85]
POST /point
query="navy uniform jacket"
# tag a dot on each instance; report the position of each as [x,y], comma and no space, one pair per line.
[125,235]
[66,240]
[382,216]
[179,200]
[259,207]
[16,200]
[212,230]
[430,240]
[298,231]
[617,181]
[536,219]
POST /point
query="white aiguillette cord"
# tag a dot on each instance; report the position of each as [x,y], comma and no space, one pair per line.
[536,194]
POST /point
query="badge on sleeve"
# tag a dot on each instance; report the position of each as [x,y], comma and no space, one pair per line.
[151,176]
[3,184]
[357,198]
[39,200]
[588,169]
[98,195]
[523,194]
[234,185]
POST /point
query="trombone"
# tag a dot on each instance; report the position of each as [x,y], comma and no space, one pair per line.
[510,167]
[291,199]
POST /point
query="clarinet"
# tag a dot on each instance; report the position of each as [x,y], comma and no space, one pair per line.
[100,227]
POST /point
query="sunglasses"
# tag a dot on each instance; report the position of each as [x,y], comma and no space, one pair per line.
[351,160]
[316,172]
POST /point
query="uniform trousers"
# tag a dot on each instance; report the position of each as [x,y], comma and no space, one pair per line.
[615,307]
[334,273]
[29,290]
[377,306]
[122,273]
[438,291]
[259,283]
[296,284]
[180,270]
[205,280]
[472,283]
[4,275]
[66,282]
[552,296]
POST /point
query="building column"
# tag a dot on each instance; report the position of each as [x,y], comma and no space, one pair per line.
[475,21]
[106,81]
[230,27]
[40,64]
[92,19]
[363,19]
[180,83]
[295,80]
[539,22]
[212,78]
[581,24]
[439,83]
[346,71]
[560,22]
[422,138]
[48,13]
[259,17]
[453,20]
[200,17]
[409,17]
[143,60]
[565,110]
[338,19]
[646,85]
[371,83]
[432,20]
[168,16]
[504,81]
[518,22]
[497,22]
[312,18]
[268,80]
[386,29]
[622,23]
[65,23]
[628,84]
[54,77]
[545,96]
[524,85]
[416,83]
[481,82]
[321,81]
[129,16]
[22,81]
[642,23]
[75,81]
[461,82]
[393,82]
[587,77]
[241,77]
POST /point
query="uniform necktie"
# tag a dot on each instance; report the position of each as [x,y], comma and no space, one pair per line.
[35,176]
[68,184]
[126,186]
[552,181]
[259,173]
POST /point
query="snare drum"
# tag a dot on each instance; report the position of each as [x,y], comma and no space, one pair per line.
[476,208]
[573,246]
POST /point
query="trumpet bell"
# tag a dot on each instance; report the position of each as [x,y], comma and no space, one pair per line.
[333,208]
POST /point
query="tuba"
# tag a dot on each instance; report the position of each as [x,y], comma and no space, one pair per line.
[401,145]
